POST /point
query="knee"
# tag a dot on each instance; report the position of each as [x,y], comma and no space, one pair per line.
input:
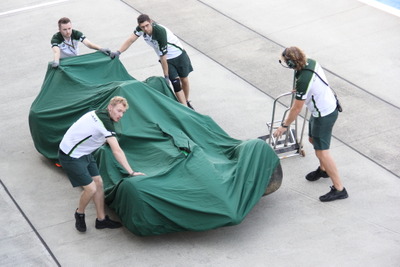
[184,81]
[98,181]
[176,84]
[322,154]
[90,189]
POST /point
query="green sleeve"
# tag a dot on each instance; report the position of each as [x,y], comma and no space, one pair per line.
[77,35]
[106,120]
[56,39]
[303,79]
[160,35]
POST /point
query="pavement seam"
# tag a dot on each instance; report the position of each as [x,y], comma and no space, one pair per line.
[30,224]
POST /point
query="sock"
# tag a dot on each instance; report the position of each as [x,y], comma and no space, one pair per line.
[79,213]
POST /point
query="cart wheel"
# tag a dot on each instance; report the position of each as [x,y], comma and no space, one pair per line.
[302,153]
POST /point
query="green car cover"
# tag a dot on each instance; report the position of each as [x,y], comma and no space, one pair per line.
[197,176]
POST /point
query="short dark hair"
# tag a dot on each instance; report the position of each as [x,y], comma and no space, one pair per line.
[142,18]
[63,20]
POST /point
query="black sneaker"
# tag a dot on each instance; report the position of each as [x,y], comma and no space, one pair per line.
[107,223]
[189,105]
[315,175]
[334,194]
[80,224]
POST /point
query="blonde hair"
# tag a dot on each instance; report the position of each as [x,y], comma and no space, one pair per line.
[119,100]
[296,55]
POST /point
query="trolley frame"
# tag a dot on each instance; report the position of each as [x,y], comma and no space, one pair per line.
[290,144]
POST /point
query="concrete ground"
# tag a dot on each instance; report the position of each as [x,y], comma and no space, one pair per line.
[234,47]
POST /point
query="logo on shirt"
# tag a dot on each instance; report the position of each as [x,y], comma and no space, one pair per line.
[94,117]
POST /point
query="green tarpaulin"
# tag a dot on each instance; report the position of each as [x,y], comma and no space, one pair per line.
[197,176]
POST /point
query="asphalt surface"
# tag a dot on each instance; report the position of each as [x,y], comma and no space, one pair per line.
[234,47]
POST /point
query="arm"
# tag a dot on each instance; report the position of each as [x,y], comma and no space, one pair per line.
[293,113]
[120,156]
[124,46]
[57,54]
[96,47]
[161,36]
[128,43]
[164,65]
[90,45]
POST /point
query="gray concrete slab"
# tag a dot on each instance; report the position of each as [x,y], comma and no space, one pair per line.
[234,47]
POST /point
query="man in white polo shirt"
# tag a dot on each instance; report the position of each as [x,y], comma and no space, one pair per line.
[313,90]
[174,60]
[65,42]
[86,135]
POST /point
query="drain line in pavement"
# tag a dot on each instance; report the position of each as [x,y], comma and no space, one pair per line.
[30,224]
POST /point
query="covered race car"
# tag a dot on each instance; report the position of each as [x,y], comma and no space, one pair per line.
[197,176]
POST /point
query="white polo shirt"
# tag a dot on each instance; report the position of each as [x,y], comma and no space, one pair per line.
[163,41]
[318,96]
[68,48]
[87,134]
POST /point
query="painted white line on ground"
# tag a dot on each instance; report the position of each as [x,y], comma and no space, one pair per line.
[31,7]
[383,7]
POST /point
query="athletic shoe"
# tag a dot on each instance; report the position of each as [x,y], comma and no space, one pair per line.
[107,223]
[80,224]
[334,194]
[189,105]
[315,175]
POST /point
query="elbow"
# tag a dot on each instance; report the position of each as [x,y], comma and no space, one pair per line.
[297,110]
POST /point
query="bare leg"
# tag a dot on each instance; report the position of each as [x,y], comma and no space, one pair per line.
[321,166]
[177,85]
[98,198]
[185,87]
[328,164]
[88,192]
[181,97]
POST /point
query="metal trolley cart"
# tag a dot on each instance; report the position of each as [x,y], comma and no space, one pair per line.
[291,142]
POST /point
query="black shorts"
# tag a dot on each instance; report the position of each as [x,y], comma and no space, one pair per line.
[179,66]
[79,170]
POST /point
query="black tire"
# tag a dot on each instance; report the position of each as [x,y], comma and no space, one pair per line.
[276,180]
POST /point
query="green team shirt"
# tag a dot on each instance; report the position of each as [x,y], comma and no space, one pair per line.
[87,134]
[163,41]
[68,49]
[318,96]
